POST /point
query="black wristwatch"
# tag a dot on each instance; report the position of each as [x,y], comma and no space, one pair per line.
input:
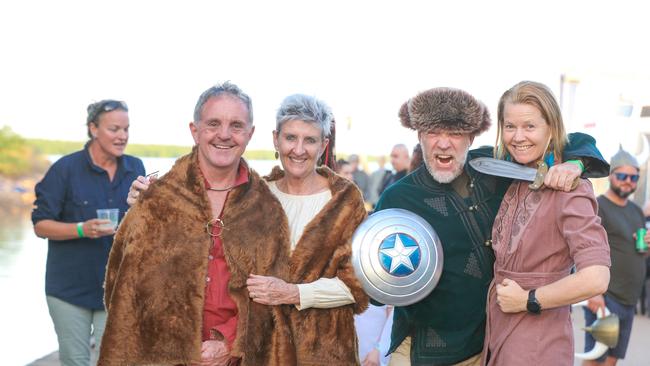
[533,305]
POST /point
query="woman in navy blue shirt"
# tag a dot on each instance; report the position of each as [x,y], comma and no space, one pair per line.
[65,213]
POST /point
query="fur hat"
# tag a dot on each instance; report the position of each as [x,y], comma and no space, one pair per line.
[446,109]
[622,158]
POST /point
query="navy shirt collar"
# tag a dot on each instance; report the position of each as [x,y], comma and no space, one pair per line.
[123,165]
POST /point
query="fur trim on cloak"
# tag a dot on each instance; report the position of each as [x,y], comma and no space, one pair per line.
[155,278]
[327,336]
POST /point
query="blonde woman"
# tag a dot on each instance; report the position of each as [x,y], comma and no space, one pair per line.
[538,236]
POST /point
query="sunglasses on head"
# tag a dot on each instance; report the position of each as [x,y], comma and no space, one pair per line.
[104,107]
[622,177]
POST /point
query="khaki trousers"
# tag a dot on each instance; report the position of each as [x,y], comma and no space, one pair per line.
[402,356]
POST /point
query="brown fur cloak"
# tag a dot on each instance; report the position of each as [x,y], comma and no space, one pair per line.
[155,277]
[326,336]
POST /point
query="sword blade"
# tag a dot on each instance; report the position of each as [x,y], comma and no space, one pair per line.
[502,168]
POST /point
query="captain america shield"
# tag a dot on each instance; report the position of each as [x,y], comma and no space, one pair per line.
[397,257]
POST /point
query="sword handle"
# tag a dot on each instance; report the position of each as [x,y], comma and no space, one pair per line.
[575,183]
[542,169]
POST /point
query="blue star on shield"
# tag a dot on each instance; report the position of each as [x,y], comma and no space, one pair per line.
[399,254]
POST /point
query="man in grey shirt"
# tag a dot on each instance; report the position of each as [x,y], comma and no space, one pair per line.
[621,218]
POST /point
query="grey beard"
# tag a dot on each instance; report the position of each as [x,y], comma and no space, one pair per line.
[443,178]
[618,192]
[449,177]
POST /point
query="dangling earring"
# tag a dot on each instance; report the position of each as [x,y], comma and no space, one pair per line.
[277,155]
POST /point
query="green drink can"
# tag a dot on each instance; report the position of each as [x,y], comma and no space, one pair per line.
[641,246]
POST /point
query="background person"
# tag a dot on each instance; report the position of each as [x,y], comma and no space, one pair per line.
[621,218]
[400,160]
[373,331]
[416,158]
[360,176]
[65,213]
[377,180]
[344,169]
[538,236]
[321,212]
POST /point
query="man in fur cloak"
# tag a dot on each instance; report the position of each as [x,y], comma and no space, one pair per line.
[175,287]
[448,326]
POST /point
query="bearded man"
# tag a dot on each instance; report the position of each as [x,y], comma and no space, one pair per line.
[621,218]
[448,326]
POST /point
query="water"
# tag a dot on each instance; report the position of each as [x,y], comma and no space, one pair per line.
[27,332]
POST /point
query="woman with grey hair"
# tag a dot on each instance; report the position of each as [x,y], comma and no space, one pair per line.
[319,292]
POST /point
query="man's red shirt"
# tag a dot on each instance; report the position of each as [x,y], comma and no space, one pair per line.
[220,311]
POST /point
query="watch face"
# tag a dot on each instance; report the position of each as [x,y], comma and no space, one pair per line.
[533,307]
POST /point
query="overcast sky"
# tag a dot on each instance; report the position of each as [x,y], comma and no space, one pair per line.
[364,58]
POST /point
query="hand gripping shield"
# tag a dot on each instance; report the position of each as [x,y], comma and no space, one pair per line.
[397,257]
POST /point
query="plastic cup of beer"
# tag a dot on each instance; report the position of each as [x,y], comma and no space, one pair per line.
[111,214]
